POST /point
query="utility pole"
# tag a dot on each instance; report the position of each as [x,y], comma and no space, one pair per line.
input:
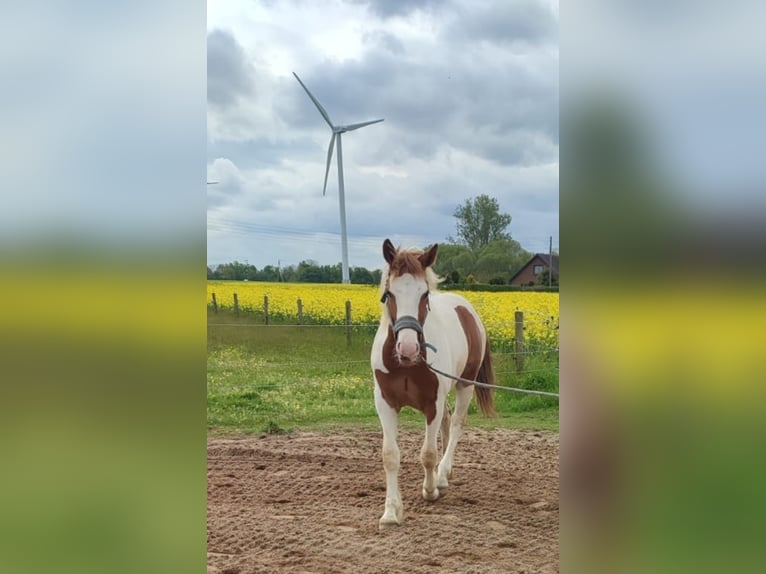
[279,271]
[550,261]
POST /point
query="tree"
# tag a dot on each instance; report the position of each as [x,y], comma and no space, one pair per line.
[479,222]
[499,258]
[361,275]
[236,271]
[454,258]
[309,271]
[542,279]
[289,274]
[269,273]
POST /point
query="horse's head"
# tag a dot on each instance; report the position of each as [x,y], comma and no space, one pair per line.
[405,286]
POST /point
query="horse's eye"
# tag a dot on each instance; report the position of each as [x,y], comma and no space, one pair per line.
[385,297]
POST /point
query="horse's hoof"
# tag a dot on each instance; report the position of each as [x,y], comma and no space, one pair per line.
[431,496]
[387,522]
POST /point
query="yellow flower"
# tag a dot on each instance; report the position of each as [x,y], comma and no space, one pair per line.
[326,303]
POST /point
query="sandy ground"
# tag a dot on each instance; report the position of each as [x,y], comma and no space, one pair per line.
[310,503]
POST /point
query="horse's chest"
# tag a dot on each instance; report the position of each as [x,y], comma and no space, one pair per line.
[415,387]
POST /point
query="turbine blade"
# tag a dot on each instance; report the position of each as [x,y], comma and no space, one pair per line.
[316,102]
[361,125]
[329,159]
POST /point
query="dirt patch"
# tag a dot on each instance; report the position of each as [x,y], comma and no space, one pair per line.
[310,503]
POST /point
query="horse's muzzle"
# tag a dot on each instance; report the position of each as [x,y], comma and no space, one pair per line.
[408,352]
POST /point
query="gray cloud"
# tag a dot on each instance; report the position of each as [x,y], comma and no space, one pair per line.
[226,184]
[262,152]
[468,84]
[430,104]
[519,21]
[384,40]
[229,73]
[392,8]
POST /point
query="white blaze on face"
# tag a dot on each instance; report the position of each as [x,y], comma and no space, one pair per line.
[407,291]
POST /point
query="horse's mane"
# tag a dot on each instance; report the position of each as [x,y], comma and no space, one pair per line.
[406,261]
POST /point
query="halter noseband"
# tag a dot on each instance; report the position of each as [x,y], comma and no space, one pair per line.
[408,322]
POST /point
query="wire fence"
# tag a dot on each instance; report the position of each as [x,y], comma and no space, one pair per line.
[296,314]
[518,359]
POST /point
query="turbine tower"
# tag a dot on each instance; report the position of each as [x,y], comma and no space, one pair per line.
[336,133]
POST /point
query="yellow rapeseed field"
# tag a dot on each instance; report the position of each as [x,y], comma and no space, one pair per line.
[325,303]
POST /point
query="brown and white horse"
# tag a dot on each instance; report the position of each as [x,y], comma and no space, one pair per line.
[420,325]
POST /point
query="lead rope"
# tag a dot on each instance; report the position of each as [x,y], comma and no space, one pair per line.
[484,385]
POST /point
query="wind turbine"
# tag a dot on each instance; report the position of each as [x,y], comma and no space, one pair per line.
[336,133]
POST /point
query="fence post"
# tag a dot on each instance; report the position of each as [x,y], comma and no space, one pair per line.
[266,308]
[215,304]
[300,311]
[348,322]
[519,341]
[236,305]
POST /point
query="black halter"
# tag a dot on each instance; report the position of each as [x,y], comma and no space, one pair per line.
[405,321]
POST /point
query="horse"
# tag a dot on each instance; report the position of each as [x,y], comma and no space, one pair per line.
[420,326]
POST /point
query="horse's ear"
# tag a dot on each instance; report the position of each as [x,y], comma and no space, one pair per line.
[389,251]
[429,257]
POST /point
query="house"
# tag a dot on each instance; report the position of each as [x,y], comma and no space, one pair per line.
[530,273]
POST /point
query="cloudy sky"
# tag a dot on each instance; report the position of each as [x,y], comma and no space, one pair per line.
[469,93]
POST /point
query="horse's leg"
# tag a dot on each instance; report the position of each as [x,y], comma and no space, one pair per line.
[389,420]
[463,394]
[429,455]
[444,430]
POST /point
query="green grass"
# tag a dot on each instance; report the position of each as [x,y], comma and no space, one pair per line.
[282,378]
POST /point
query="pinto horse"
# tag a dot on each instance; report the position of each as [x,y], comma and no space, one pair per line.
[421,326]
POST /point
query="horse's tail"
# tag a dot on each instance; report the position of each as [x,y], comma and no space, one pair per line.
[484,396]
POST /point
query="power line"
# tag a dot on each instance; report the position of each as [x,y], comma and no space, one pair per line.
[272,232]
[225,225]
[316,237]
[273,228]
